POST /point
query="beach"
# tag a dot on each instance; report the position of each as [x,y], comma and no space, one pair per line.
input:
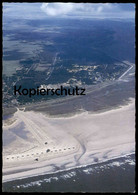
[61,143]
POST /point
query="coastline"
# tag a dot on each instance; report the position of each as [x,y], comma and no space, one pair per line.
[76,167]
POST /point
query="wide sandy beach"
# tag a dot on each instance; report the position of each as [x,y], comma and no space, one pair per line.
[39,144]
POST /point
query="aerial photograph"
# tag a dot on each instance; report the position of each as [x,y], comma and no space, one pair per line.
[68,97]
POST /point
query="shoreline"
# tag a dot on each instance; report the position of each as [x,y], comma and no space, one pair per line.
[76,167]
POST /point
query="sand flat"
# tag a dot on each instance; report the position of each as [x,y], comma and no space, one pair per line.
[73,141]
